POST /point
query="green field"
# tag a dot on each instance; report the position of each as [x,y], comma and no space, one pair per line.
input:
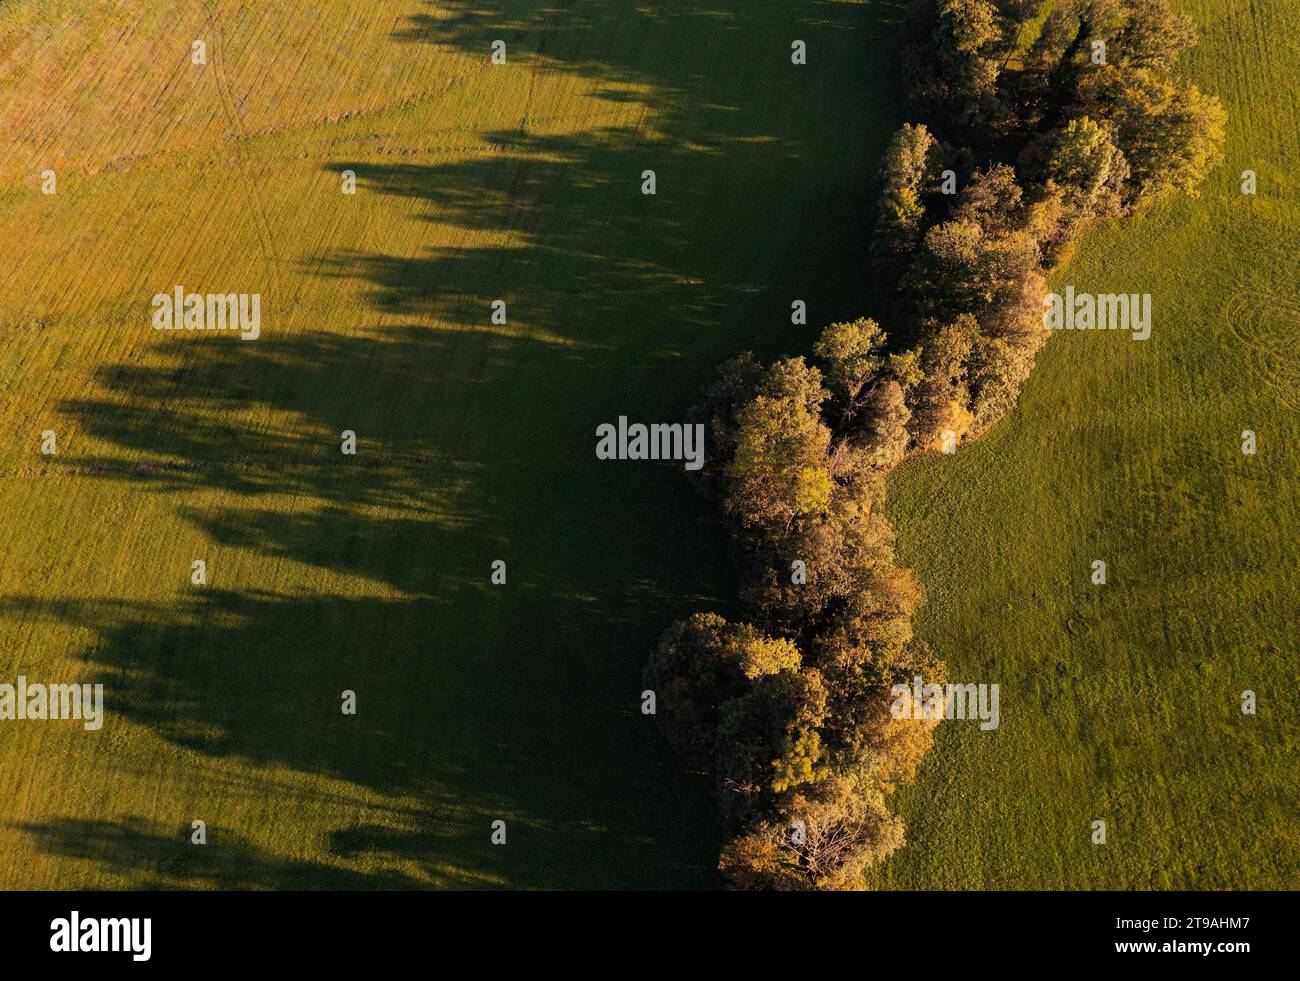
[1122,702]
[475,182]
[476,442]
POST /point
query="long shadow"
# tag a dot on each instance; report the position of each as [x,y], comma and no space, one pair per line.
[705,67]
[697,268]
[152,858]
[496,701]
[518,701]
[475,728]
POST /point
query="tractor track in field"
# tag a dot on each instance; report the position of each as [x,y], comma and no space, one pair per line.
[1267,325]
[269,251]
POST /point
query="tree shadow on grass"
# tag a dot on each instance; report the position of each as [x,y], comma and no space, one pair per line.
[515,701]
[703,66]
[267,417]
[476,731]
[475,443]
[153,858]
[752,207]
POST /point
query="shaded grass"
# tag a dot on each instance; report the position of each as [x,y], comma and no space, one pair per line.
[476,440]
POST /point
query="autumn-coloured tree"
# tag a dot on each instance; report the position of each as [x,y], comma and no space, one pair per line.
[908,174]
[734,385]
[692,676]
[1171,133]
[778,471]
[793,712]
[850,356]
[953,57]
[769,740]
[823,837]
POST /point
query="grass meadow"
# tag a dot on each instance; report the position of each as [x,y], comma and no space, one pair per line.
[475,182]
[1122,702]
[522,182]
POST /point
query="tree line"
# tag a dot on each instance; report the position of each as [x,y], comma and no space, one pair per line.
[1029,124]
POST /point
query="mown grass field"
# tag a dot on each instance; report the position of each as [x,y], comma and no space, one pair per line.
[522,182]
[1121,702]
[476,441]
